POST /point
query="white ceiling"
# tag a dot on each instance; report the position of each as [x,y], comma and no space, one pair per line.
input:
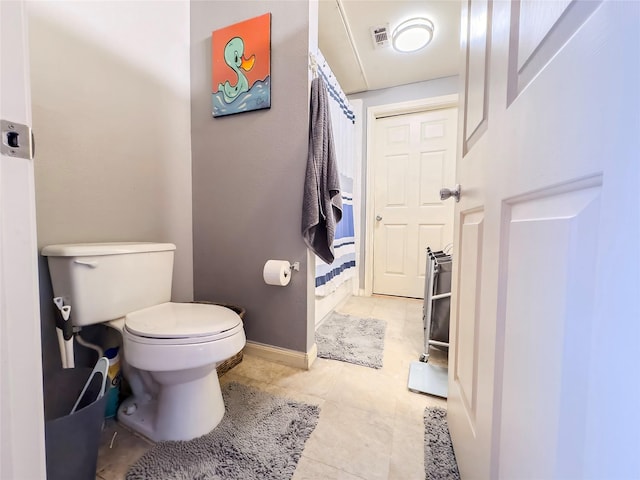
[345,41]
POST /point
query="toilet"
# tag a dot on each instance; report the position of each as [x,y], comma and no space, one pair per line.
[170,349]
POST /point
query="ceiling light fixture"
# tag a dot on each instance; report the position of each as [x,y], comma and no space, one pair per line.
[412,35]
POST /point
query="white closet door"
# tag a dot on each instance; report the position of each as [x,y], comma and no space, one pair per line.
[414,158]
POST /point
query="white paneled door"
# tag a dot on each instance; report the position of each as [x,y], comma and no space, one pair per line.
[543,375]
[22,454]
[414,158]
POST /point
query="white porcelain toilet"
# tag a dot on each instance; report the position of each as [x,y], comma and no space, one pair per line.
[170,349]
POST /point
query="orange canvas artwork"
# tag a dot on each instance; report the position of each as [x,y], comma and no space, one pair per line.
[241,66]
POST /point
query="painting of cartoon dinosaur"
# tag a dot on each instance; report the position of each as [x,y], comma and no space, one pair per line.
[241,66]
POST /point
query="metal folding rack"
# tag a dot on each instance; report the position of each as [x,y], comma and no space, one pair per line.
[425,377]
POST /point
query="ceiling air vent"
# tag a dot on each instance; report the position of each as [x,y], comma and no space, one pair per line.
[380,36]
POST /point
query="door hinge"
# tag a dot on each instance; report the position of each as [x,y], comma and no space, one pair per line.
[17,140]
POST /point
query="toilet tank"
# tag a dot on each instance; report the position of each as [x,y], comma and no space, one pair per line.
[105,281]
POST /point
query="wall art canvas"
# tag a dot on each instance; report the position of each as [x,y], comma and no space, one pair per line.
[241,66]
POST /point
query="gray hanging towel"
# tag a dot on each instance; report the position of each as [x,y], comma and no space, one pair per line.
[322,203]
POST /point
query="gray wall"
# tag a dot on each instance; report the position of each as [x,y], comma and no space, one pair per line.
[248,175]
[111,115]
[385,96]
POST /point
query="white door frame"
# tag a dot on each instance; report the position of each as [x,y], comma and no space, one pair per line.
[374,113]
[22,444]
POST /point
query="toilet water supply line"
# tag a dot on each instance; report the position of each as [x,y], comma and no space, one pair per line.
[90,345]
[64,329]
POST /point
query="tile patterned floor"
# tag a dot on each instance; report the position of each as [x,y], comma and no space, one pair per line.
[370,426]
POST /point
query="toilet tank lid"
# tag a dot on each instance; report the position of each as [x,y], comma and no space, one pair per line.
[96,249]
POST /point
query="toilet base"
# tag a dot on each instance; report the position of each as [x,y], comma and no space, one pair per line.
[141,417]
[181,411]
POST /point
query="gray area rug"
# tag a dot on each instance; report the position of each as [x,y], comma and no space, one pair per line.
[261,436]
[352,339]
[439,458]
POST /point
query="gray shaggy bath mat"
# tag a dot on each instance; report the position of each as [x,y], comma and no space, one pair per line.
[352,339]
[261,436]
[439,458]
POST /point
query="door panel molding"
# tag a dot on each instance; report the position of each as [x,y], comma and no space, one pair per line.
[432,169]
[397,167]
[467,311]
[477,47]
[395,258]
[541,227]
[528,56]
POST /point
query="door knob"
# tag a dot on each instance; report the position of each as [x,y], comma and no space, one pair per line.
[378,217]
[446,193]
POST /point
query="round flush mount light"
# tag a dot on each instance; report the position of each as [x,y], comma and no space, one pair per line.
[412,35]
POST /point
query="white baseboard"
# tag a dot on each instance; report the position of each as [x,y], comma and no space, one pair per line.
[291,358]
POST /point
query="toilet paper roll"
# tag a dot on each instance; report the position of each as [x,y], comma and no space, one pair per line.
[277,272]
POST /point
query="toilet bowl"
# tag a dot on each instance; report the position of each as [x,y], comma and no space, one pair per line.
[179,345]
[170,349]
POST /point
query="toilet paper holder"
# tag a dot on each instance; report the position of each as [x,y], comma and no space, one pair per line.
[279,272]
[293,266]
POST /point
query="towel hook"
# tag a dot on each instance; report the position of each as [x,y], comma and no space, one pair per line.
[313,65]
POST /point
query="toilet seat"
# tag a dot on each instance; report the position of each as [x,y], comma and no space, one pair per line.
[181,323]
[133,337]
[179,336]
